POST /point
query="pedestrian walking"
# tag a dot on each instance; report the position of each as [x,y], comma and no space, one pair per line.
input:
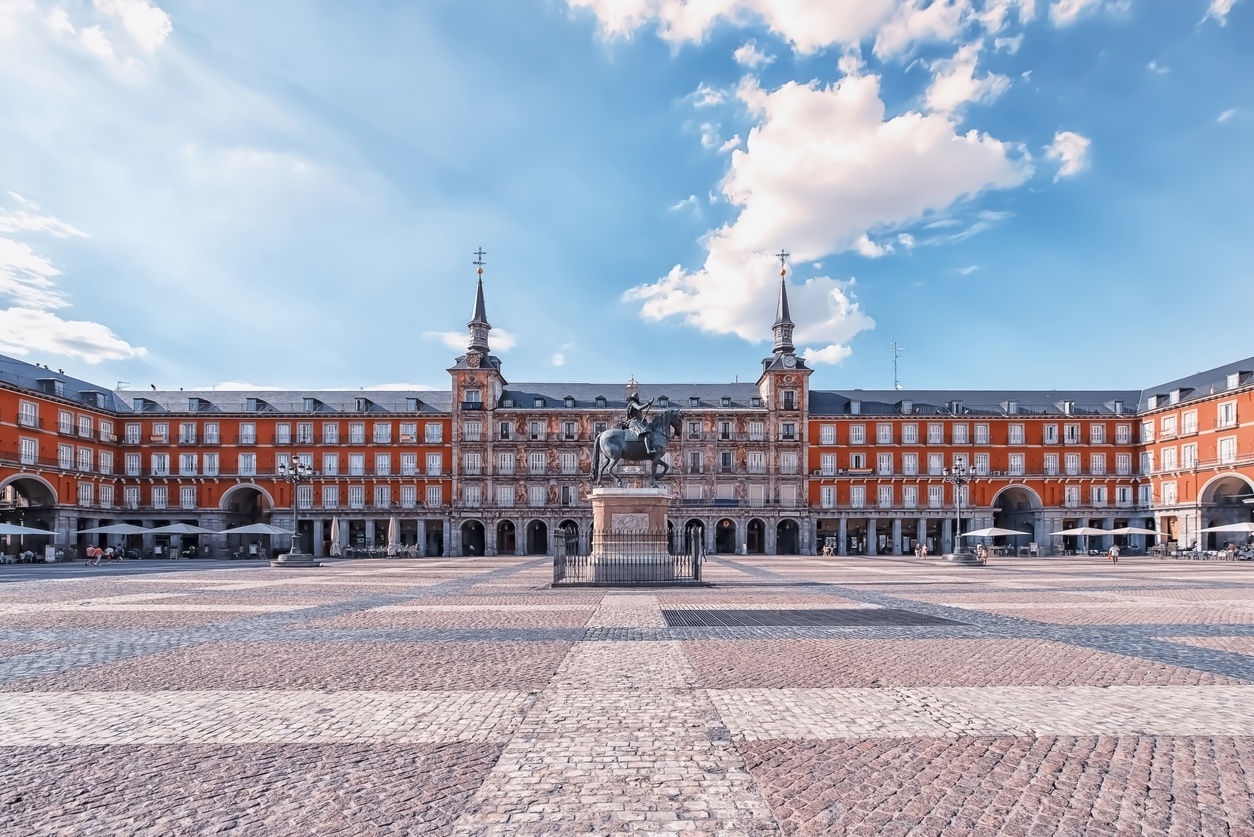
[93,556]
[1112,554]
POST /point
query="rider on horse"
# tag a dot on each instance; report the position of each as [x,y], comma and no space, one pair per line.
[637,421]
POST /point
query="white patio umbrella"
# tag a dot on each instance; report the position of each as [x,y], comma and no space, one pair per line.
[394,534]
[182,529]
[991,532]
[1133,530]
[257,529]
[115,529]
[1230,527]
[1084,531]
[335,537]
[14,529]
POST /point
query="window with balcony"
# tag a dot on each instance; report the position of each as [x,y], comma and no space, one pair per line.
[283,434]
[936,496]
[1016,434]
[382,496]
[85,428]
[86,493]
[757,431]
[357,433]
[980,466]
[569,463]
[330,496]
[935,434]
[910,434]
[790,399]
[936,464]
[1227,414]
[1072,464]
[1097,496]
[1169,493]
[330,464]
[857,462]
[505,462]
[1147,462]
[827,434]
[211,464]
[409,496]
[247,465]
[187,464]
[1188,456]
[160,464]
[788,431]
[1123,463]
[357,496]
[981,434]
[106,462]
[130,497]
[1097,464]
[1071,496]
[435,464]
[247,433]
[910,464]
[788,464]
[160,432]
[1071,434]
[1097,434]
[757,463]
[382,432]
[827,464]
[1016,464]
[28,414]
[435,496]
[1123,434]
[959,432]
[160,497]
[330,433]
[1228,450]
[383,464]
[827,497]
[1188,423]
[883,434]
[187,497]
[724,430]
[472,464]
[537,495]
[1145,495]
[65,422]
[570,431]
[885,498]
[537,463]
[65,457]
[857,496]
[356,464]
[305,433]
[884,464]
[409,464]
[1168,426]
[910,496]
[106,496]
[857,434]
[1123,496]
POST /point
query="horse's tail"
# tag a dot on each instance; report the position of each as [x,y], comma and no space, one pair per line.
[596,456]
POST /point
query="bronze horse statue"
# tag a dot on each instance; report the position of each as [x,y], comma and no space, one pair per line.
[613,446]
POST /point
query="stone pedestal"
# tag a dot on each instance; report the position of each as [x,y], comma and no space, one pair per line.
[297,560]
[629,536]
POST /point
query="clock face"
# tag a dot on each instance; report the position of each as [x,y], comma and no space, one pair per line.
[790,361]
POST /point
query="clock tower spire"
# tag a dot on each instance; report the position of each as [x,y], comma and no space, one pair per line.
[783,322]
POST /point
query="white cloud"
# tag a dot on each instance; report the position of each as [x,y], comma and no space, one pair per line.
[1070,149]
[831,354]
[499,339]
[906,240]
[731,144]
[1067,12]
[1226,115]
[954,83]
[748,55]
[689,202]
[709,135]
[29,218]
[559,357]
[26,277]
[820,172]
[1155,67]
[1219,10]
[966,271]
[147,24]
[23,330]
[59,22]
[808,25]
[995,14]
[94,41]
[705,96]
[1008,45]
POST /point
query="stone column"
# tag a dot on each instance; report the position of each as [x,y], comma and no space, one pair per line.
[770,542]
[841,546]
[369,532]
[453,539]
[489,539]
[742,536]
[922,530]
[947,535]
[896,535]
[422,536]
[318,536]
[871,536]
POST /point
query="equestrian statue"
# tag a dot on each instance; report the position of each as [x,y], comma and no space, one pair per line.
[639,438]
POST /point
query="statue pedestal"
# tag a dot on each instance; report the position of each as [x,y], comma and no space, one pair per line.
[300,559]
[629,540]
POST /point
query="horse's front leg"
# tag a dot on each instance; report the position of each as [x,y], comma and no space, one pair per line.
[618,481]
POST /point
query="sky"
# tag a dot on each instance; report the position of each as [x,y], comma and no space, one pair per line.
[1017,193]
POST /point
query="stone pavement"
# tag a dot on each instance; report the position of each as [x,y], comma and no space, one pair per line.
[465,697]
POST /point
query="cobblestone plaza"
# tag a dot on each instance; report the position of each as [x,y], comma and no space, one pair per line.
[467,697]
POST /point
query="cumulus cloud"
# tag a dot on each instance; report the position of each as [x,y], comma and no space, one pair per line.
[1155,67]
[748,55]
[28,281]
[954,83]
[559,357]
[1226,115]
[689,202]
[705,96]
[499,339]
[828,354]
[731,144]
[1071,150]
[1219,9]
[821,172]
[147,24]
[1067,12]
[1008,45]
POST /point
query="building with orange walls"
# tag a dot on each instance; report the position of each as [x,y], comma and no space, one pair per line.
[493,467]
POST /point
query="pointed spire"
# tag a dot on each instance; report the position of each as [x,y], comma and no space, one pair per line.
[479,325]
[783,321]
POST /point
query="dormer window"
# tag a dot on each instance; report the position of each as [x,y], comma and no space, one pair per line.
[663,402]
[507,402]
[855,408]
[1173,397]
[1118,408]
[601,403]
[569,402]
[361,405]
[138,404]
[955,407]
[694,401]
[725,401]
[310,404]
[905,407]
[537,402]
[1152,401]
[412,405]
[755,401]
[250,405]
[1234,380]
[1012,407]
[1068,407]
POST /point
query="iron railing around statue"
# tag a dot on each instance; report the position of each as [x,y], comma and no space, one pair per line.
[638,558]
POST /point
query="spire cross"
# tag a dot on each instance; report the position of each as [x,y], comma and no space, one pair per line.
[782,255]
[479,254]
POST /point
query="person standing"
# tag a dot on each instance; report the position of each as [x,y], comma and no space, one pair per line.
[1113,554]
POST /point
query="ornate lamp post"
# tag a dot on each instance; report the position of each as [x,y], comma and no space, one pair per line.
[295,472]
[958,478]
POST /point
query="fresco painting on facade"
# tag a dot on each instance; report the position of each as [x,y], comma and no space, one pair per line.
[770,467]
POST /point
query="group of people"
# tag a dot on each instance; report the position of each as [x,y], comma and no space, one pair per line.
[95,555]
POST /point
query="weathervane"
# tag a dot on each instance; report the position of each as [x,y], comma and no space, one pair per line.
[782,255]
[479,254]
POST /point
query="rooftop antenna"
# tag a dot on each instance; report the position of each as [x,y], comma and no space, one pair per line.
[122,385]
[896,350]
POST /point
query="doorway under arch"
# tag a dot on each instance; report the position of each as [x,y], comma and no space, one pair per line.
[1017,507]
[28,500]
[568,530]
[506,538]
[725,537]
[537,538]
[472,538]
[694,533]
[788,538]
[755,537]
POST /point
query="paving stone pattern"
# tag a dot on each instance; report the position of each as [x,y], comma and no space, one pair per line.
[466,697]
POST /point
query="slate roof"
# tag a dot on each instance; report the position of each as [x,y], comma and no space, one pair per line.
[925,402]
[615,394]
[29,376]
[1201,384]
[290,401]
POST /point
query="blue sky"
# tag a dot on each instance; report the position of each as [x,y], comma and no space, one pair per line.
[1022,194]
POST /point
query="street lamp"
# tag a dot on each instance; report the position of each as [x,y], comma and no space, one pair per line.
[295,472]
[957,477]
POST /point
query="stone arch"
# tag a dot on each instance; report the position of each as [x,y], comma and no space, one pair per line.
[506,537]
[1223,488]
[694,532]
[725,536]
[1013,493]
[1018,507]
[267,504]
[46,491]
[472,537]
[755,536]
[788,537]
[537,537]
